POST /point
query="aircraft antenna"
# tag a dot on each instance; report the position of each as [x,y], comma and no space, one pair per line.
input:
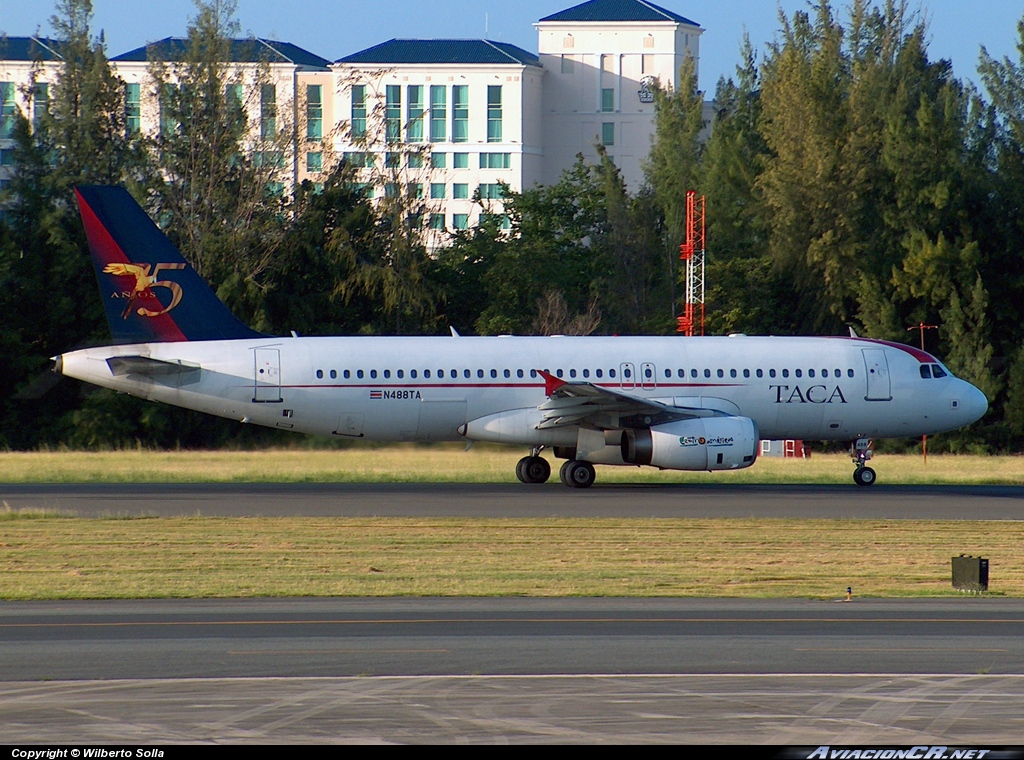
[693,253]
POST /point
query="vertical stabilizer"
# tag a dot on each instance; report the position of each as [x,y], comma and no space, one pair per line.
[150,293]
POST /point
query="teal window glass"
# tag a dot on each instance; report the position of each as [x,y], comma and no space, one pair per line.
[133,108]
[437,190]
[414,127]
[495,160]
[168,124]
[608,134]
[268,111]
[415,160]
[359,159]
[490,191]
[8,108]
[315,162]
[393,112]
[460,113]
[358,123]
[460,221]
[392,160]
[437,221]
[40,103]
[438,160]
[314,112]
[460,191]
[460,160]
[494,113]
[438,113]
[608,100]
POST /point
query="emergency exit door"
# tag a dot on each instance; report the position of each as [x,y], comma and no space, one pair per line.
[267,376]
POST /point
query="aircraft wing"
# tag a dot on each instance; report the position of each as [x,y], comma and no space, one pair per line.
[589,404]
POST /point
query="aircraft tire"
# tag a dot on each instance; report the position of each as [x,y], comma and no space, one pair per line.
[535,470]
[576,474]
[521,469]
[864,476]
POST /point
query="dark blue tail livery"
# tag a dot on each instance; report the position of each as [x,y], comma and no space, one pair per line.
[150,293]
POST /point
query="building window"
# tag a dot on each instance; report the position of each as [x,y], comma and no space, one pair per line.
[7,110]
[493,113]
[6,156]
[460,160]
[40,103]
[495,160]
[460,191]
[436,223]
[415,161]
[168,124]
[608,134]
[272,158]
[275,189]
[268,111]
[438,160]
[364,189]
[414,128]
[460,221]
[502,221]
[392,160]
[393,112]
[358,110]
[607,100]
[314,112]
[359,160]
[315,162]
[415,189]
[438,113]
[568,65]
[437,190]
[460,113]
[391,190]
[133,108]
[490,191]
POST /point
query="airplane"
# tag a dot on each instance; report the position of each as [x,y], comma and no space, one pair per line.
[673,403]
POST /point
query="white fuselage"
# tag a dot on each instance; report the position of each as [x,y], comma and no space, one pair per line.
[425,388]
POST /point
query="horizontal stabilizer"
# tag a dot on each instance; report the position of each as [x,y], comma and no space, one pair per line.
[144,365]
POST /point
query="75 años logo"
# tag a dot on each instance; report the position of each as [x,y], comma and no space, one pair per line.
[143,288]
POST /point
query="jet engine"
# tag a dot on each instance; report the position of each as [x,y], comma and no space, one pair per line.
[702,443]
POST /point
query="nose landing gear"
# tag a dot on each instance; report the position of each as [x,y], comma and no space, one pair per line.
[861,452]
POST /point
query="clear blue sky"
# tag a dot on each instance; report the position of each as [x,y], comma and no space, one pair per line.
[335,28]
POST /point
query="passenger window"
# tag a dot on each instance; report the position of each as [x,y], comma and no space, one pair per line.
[627,372]
[319,373]
[519,373]
[785,373]
[359,374]
[721,373]
[400,373]
[611,373]
[760,373]
[732,373]
[480,373]
[347,374]
[849,373]
[373,374]
[798,373]
[508,373]
[746,373]
[598,372]
[572,373]
[586,373]
[810,373]
[334,374]
[668,373]
[558,372]
[440,373]
[466,373]
[387,373]
[839,373]
[533,373]
[938,371]
[426,373]
[648,373]
[680,373]
[926,372]
[412,374]
[693,373]
[707,373]
[771,373]
[824,373]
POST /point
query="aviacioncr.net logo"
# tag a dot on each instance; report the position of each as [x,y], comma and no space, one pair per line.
[143,287]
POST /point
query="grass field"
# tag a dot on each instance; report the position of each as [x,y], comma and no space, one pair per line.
[51,557]
[452,464]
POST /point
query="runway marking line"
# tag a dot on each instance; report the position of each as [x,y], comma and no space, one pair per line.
[437,621]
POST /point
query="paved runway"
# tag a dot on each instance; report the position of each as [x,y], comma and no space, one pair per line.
[550,500]
[415,670]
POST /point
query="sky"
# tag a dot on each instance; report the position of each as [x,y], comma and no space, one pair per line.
[336,28]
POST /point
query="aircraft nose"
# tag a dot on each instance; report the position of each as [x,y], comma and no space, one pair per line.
[974,403]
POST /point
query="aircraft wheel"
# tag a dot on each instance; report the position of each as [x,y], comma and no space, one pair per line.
[536,470]
[576,474]
[521,469]
[864,476]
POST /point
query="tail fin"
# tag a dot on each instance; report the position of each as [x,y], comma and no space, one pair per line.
[150,293]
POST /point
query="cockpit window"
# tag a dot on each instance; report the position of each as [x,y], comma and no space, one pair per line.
[938,371]
[926,372]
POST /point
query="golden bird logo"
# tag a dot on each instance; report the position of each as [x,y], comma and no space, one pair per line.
[144,281]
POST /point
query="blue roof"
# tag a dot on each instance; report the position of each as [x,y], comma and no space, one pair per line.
[29,49]
[443,51]
[250,50]
[618,10]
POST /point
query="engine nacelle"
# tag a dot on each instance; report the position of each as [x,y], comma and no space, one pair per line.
[702,443]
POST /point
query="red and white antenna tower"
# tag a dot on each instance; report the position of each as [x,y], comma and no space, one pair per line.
[692,252]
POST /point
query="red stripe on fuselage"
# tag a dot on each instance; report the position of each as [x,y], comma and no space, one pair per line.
[105,250]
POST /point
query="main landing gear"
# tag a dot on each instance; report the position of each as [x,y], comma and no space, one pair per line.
[861,452]
[533,469]
[577,474]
